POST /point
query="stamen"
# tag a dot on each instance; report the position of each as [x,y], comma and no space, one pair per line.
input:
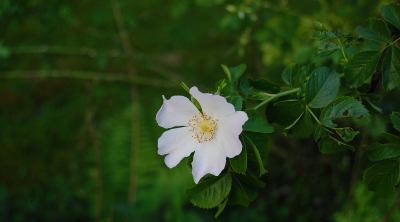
[203,127]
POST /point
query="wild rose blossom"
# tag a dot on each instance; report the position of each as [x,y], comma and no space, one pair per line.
[212,134]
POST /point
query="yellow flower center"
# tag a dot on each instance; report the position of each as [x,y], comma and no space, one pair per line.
[203,127]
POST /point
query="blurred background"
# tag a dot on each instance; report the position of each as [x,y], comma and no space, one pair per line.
[81,83]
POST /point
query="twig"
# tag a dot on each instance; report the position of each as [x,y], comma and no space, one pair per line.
[391,210]
[93,53]
[97,156]
[91,31]
[126,45]
[85,75]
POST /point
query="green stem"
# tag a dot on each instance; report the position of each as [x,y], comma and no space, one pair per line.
[342,49]
[312,114]
[275,96]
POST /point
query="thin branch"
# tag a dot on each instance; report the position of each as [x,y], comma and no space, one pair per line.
[342,49]
[313,115]
[89,30]
[85,75]
[126,45]
[83,51]
[391,210]
[93,53]
[277,96]
[97,156]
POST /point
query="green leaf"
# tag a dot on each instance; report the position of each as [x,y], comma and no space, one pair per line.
[395,117]
[238,197]
[391,138]
[342,107]
[360,67]
[221,207]
[382,177]
[260,141]
[250,180]
[330,145]
[302,127]
[371,100]
[250,192]
[290,74]
[260,148]
[234,73]
[326,48]
[285,112]
[377,151]
[391,68]
[210,193]
[318,132]
[324,35]
[263,85]
[376,30]
[320,26]
[391,13]
[225,88]
[239,162]
[236,101]
[347,134]
[256,123]
[244,88]
[322,87]
[305,72]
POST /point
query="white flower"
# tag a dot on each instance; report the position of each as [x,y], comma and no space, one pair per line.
[212,134]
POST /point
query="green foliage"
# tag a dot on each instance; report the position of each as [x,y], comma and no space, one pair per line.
[322,87]
[361,67]
[375,29]
[234,73]
[239,162]
[210,193]
[342,107]
[290,74]
[302,127]
[395,117]
[391,14]
[384,175]
[377,151]
[260,149]
[391,68]
[256,123]
[328,144]
[285,112]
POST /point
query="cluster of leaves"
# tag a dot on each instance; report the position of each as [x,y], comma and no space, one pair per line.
[314,103]
[384,175]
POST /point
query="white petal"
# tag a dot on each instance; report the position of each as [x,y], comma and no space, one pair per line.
[214,105]
[233,123]
[209,157]
[173,138]
[177,143]
[181,151]
[230,143]
[176,112]
[228,132]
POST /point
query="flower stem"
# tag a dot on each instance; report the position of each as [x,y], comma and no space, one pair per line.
[342,49]
[275,96]
[312,114]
